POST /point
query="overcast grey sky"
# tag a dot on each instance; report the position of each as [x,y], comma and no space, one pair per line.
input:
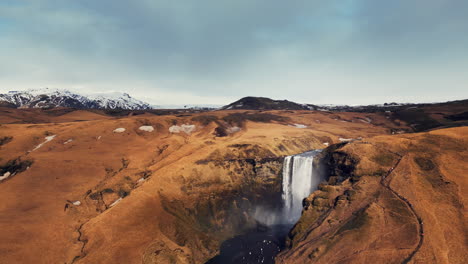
[216,51]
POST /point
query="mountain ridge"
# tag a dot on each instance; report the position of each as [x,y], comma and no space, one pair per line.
[264,103]
[51,97]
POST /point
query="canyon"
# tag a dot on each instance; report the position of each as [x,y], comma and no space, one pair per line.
[84,186]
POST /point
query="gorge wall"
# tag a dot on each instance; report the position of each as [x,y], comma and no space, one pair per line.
[387,200]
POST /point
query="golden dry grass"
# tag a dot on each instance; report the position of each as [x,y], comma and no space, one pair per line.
[156,214]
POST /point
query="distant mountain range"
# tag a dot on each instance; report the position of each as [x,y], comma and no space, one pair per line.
[420,117]
[50,98]
[263,103]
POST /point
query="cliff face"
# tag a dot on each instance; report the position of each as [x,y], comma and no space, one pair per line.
[208,212]
[388,200]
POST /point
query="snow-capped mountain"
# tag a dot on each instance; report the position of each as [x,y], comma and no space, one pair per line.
[49,97]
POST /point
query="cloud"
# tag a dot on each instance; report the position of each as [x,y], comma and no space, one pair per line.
[350,51]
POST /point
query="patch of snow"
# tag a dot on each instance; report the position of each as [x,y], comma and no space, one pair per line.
[141,180]
[47,139]
[187,129]
[46,97]
[326,144]
[119,130]
[76,203]
[232,130]
[5,176]
[146,128]
[345,139]
[116,202]
[317,121]
[299,126]
[68,141]
[115,100]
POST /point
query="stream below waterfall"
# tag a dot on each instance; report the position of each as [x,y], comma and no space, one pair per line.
[261,245]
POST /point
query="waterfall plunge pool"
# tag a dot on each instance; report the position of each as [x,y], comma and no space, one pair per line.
[261,245]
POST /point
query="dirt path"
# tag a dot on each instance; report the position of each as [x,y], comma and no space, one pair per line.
[386,184]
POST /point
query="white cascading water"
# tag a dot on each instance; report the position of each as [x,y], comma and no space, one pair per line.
[299,182]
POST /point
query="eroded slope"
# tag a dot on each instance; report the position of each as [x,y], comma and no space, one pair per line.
[389,199]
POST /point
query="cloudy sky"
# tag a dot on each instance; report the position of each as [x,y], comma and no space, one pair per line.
[216,51]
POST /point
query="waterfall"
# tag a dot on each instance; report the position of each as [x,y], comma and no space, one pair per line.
[299,182]
[287,199]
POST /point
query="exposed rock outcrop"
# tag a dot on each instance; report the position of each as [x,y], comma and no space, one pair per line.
[382,204]
[218,210]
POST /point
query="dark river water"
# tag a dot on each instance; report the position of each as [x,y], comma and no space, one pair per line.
[257,246]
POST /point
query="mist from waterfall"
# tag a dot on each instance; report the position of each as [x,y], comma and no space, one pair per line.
[262,243]
[299,182]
